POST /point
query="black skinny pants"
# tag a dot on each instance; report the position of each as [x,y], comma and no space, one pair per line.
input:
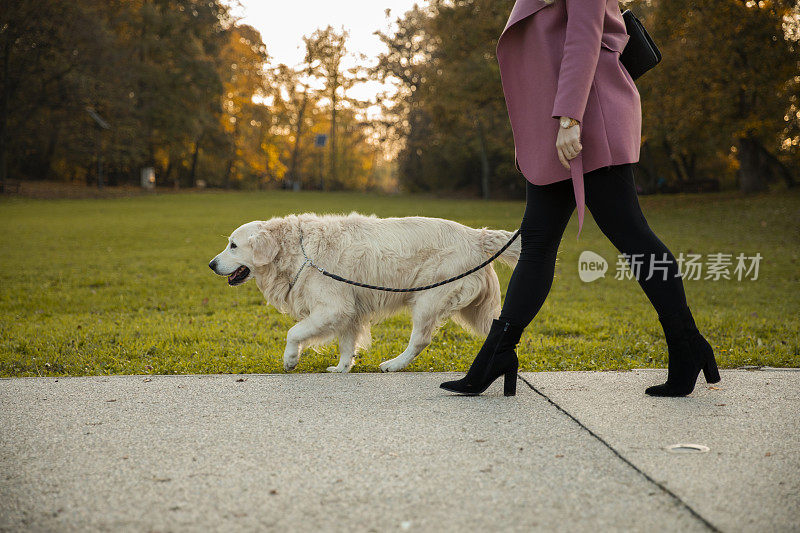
[612,199]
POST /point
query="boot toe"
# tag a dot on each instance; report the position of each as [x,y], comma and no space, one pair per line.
[459,387]
[450,386]
[666,391]
[656,390]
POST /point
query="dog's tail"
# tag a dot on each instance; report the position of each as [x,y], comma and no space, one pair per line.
[494,239]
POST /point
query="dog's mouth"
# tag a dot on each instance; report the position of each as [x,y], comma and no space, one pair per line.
[238,276]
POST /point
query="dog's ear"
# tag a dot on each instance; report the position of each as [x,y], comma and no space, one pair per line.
[265,247]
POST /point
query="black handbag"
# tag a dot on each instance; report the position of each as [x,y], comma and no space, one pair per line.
[641,53]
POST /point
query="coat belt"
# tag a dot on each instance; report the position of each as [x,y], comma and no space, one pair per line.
[576,171]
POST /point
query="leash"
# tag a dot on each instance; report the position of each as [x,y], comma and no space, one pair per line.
[331,275]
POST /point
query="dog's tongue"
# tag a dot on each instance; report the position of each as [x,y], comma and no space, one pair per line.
[235,273]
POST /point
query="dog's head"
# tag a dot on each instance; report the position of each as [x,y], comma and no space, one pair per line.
[250,246]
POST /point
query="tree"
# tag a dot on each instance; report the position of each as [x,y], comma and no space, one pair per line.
[325,50]
[243,59]
[734,118]
[293,96]
[452,111]
[736,89]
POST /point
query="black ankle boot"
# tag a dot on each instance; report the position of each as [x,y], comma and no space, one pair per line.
[496,358]
[689,353]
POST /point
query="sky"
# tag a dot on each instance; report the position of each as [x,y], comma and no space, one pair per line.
[283,23]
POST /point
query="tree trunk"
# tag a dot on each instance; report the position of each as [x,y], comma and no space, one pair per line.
[778,166]
[333,133]
[680,171]
[229,173]
[46,161]
[485,168]
[298,132]
[4,98]
[646,166]
[193,170]
[752,169]
[167,170]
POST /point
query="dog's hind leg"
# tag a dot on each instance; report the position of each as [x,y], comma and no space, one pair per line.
[347,352]
[477,316]
[426,319]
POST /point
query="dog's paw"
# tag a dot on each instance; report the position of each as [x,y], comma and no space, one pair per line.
[338,369]
[390,366]
[291,357]
[290,364]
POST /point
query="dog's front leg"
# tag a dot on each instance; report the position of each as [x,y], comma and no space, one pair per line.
[294,339]
[319,325]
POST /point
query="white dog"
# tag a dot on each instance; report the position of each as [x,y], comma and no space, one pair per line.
[389,252]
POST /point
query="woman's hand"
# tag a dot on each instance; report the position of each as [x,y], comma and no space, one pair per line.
[568,144]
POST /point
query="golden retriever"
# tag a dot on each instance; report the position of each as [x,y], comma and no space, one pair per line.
[390,252]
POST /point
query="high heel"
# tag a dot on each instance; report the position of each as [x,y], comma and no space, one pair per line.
[689,354]
[510,383]
[710,371]
[497,357]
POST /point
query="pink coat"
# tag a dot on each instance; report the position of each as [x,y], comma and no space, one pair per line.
[565,62]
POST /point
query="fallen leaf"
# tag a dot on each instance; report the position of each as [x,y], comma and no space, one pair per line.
[720,404]
[147,380]
[559,456]
[241,380]
[111,400]
[714,388]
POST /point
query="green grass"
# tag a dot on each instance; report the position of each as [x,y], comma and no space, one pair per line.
[122,286]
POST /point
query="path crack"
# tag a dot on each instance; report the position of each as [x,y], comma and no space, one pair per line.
[641,472]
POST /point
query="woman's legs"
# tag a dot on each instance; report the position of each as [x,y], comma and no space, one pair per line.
[611,197]
[547,211]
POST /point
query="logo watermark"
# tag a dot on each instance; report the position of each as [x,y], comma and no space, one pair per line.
[717,266]
[591,266]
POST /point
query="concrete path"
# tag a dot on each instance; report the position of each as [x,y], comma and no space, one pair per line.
[573,451]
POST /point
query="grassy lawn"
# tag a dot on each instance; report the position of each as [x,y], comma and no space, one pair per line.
[122,286]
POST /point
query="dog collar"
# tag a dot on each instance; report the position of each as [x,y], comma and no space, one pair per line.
[307,261]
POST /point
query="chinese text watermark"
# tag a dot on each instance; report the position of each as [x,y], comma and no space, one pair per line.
[712,266]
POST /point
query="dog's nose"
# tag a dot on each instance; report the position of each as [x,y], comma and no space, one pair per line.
[213,265]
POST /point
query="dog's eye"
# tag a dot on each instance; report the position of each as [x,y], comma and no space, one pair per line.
[233,245]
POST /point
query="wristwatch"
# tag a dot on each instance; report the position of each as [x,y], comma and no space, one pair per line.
[567,122]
